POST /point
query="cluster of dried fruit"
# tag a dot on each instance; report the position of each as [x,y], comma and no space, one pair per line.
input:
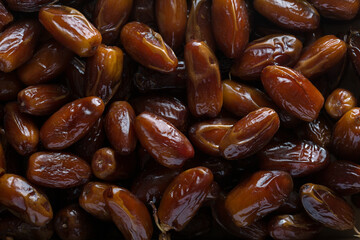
[118,120]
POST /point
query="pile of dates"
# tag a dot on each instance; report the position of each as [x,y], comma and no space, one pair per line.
[179,119]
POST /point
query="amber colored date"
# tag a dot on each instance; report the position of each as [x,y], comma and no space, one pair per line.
[333,9]
[162,140]
[147,47]
[71,122]
[70,28]
[5,16]
[250,134]
[339,102]
[10,86]
[183,197]
[257,196]
[293,92]
[324,206]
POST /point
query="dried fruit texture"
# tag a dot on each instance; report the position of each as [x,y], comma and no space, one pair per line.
[319,132]
[183,198]
[5,16]
[27,6]
[324,206]
[321,56]
[204,89]
[147,47]
[339,102]
[354,49]
[257,196]
[290,14]
[70,28]
[230,26]
[110,16]
[293,92]
[279,49]
[171,16]
[250,134]
[333,9]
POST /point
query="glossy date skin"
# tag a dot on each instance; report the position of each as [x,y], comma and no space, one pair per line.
[24,201]
[257,196]
[339,102]
[166,144]
[319,132]
[277,49]
[70,123]
[5,16]
[250,134]
[293,92]
[183,197]
[70,28]
[324,206]
[147,47]
[204,89]
[333,9]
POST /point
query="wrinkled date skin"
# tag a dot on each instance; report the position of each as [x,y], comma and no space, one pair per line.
[333,9]
[71,122]
[103,72]
[250,134]
[162,140]
[171,16]
[297,158]
[47,63]
[183,198]
[17,44]
[281,49]
[10,86]
[24,201]
[21,131]
[129,214]
[321,56]
[291,14]
[289,227]
[147,47]
[109,17]
[207,135]
[230,26]
[319,132]
[257,196]
[5,16]
[339,102]
[43,99]
[57,170]
[27,6]
[346,135]
[324,206]
[70,28]
[354,49]
[119,127]
[241,99]
[204,89]
[293,92]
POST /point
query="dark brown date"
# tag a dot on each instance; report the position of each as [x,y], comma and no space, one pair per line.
[333,9]
[5,16]
[27,6]
[10,86]
[75,77]
[144,11]
[354,49]
[319,132]
[339,102]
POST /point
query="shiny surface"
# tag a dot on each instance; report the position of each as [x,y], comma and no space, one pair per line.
[183,197]
[204,89]
[324,206]
[293,92]
[70,28]
[339,102]
[5,16]
[319,132]
[250,134]
[257,196]
[333,9]
[57,170]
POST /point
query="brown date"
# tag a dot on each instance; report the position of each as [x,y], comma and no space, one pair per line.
[321,56]
[57,170]
[144,11]
[10,86]
[24,201]
[109,17]
[333,9]
[230,26]
[354,49]
[324,206]
[71,122]
[70,27]
[204,89]
[75,77]
[319,132]
[250,134]
[17,43]
[5,16]
[291,205]
[257,196]
[128,213]
[165,143]
[47,63]
[293,92]
[40,100]
[339,102]
[290,14]
[20,130]
[27,6]
[279,49]
[183,198]
[147,47]
[2,159]
[297,158]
